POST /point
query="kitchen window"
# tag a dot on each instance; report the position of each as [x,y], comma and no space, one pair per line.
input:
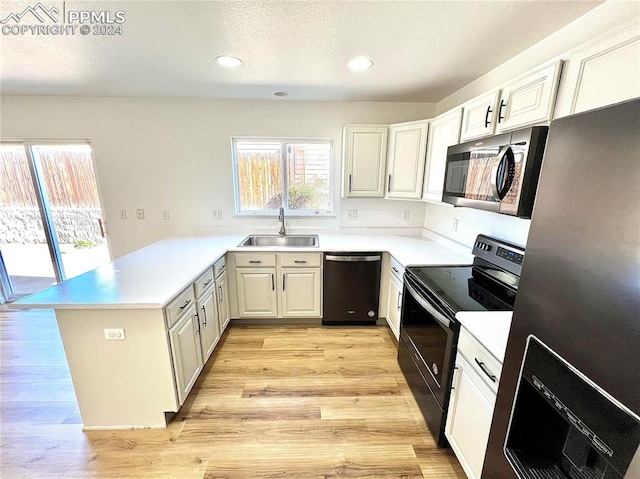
[274,172]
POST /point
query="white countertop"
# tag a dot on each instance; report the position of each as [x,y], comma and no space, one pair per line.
[490,328]
[152,276]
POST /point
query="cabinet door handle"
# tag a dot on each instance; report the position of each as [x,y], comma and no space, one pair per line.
[205,316]
[273,282]
[197,322]
[399,303]
[349,183]
[220,295]
[502,105]
[395,269]
[389,185]
[485,370]
[300,261]
[185,305]
[254,261]
[486,117]
[283,282]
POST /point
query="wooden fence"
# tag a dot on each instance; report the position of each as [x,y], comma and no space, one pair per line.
[260,176]
[69,180]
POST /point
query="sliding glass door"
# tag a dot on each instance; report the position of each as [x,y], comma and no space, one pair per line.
[51,223]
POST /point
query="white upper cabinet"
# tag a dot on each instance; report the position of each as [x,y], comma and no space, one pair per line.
[602,72]
[364,159]
[444,131]
[479,114]
[406,158]
[530,99]
[527,100]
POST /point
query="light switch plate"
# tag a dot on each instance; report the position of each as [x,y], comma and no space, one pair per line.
[140,213]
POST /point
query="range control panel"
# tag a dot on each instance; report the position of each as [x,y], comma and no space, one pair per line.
[499,252]
[510,255]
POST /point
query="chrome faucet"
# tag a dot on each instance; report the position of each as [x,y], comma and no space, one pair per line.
[281,220]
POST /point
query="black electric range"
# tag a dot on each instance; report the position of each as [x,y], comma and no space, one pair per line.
[428,327]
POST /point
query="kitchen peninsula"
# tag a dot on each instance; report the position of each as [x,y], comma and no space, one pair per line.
[130,381]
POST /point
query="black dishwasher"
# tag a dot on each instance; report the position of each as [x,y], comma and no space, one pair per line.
[351,288]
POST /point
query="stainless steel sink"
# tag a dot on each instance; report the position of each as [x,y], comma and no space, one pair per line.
[296,241]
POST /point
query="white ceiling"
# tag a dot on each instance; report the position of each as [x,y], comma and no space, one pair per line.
[423,50]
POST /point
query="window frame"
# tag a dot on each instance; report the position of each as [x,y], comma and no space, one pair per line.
[284,141]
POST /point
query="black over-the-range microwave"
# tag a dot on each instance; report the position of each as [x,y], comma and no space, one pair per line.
[498,173]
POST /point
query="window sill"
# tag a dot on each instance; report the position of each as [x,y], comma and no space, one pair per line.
[287,215]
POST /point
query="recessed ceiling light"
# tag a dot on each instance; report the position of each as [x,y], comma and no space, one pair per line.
[360,63]
[281,93]
[228,61]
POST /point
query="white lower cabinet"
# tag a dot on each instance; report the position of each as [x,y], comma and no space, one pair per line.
[257,297]
[194,330]
[186,350]
[301,292]
[284,285]
[224,315]
[209,325]
[394,299]
[473,397]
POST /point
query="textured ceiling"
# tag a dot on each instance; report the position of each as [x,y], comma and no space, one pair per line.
[423,50]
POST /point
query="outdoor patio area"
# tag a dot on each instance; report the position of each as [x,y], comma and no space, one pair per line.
[30,268]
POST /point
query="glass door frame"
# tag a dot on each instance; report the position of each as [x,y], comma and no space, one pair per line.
[37,177]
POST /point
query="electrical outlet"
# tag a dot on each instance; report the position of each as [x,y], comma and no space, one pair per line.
[140,213]
[123,214]
[405,214]
[114,333]
[165,215]
[454,224]
[216,214]
[352,215]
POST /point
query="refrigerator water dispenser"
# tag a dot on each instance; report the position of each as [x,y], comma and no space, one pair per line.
[563,426]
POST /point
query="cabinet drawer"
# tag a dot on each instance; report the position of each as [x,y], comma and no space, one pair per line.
[487,367]
[255,259]
[204,282]
[300,259]
[219,267]
[179,305]
[397,269]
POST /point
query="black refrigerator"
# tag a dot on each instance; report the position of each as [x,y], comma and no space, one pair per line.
[569,395]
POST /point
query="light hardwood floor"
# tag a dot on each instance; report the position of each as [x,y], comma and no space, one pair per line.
[292,402]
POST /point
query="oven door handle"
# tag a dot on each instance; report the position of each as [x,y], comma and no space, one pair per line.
[441,318]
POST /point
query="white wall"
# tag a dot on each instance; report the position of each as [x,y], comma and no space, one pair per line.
[175,154]
[470,223]
[604,19]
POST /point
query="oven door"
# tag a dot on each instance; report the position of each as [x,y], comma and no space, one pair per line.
[431,336]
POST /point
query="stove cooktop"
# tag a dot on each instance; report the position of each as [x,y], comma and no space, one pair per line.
[467,288]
